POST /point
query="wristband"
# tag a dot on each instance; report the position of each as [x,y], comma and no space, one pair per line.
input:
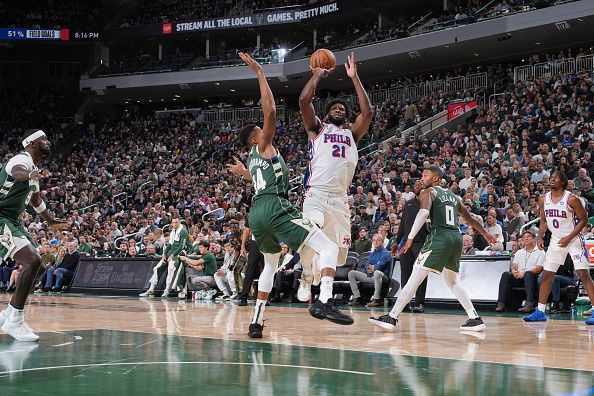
[40,208]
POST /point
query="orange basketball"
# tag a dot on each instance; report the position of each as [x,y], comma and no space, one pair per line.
[322,58]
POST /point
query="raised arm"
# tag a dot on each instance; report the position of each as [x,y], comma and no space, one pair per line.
[311,122]
[475,224]
[268,105]
[363,120]
[542,227]
[575,203]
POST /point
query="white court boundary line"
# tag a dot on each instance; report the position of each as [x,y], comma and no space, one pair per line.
[183,363]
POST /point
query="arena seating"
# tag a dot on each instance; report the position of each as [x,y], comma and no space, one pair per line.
[138,170]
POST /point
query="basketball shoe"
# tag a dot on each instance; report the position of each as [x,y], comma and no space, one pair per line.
[386,322]
[536,316]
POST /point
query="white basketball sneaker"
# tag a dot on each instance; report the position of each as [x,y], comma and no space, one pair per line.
[4,314]
[147,293]
[304,291]
[16,327]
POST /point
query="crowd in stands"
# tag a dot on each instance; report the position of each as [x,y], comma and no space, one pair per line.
[127,178]
[52,14]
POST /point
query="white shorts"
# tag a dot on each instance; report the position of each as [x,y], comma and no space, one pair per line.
[332,214]
[556,255]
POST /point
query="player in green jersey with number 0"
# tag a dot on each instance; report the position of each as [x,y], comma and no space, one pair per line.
[272,218]
[442,250]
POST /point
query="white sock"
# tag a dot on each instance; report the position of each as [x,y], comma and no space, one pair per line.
[417,277]
[326,284]
[451,279]
[151,288]
[542,307]
[259,311]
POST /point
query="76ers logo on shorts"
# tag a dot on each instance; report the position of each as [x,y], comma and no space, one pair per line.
[346,241]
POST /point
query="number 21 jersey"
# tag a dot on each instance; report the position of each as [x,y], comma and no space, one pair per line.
[333,158]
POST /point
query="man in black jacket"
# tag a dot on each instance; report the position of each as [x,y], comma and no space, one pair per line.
[407,260]
[64,270]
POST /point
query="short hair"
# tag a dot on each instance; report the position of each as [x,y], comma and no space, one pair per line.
[245,133]
[563,178]
[205,244]
[528,232]
[347,108]
[436,170]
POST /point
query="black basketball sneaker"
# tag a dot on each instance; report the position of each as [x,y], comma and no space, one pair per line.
[319,310]
[386,322]
[255,330]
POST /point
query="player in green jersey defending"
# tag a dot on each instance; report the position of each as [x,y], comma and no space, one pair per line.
[19,187]
[272,218]
[442,250]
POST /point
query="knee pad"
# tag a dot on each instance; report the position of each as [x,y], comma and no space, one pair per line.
[328,256]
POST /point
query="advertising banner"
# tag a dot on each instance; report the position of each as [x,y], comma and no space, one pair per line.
[457,109]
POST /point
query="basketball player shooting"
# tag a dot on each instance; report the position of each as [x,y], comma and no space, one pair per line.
[564,215]
[19,181]
[272,217]
[333,158]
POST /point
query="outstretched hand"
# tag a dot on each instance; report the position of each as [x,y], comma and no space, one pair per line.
[237,168]
[351,66]
[251,62]
[318,71]
[58,225]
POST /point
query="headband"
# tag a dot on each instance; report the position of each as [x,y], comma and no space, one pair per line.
[30,139]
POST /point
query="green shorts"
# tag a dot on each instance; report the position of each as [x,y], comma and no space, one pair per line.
[274,220]
[13,237]
[442,249]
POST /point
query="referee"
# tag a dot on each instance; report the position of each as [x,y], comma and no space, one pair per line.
[407,260]
[255,263]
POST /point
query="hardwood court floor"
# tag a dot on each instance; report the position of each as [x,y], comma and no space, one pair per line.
[102,345]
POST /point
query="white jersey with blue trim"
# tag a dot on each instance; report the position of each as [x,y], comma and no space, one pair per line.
[333,158]
[561,219]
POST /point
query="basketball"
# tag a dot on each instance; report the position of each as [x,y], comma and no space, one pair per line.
[322,58]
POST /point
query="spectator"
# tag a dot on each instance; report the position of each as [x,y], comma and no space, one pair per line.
[467,248]
[512,223]
[64,270]
[376,271]
[286,272]
[84,248]
[526,265]
[494,229]
[362,243]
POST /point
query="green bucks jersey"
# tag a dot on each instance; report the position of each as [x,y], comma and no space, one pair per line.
[269,175]
[15,195]
[444,211]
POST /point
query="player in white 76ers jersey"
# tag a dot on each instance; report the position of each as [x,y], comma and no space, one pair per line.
[333,158]
[564,215]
